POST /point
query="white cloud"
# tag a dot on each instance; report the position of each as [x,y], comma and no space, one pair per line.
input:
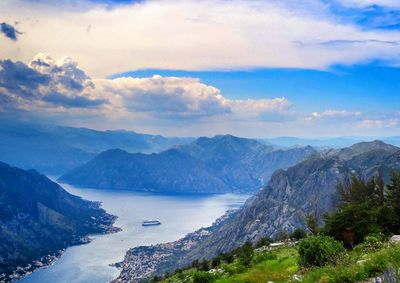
[379,123]
[163,96]
[60,92]
[192,35]
[332,114]
[61,85]
[173,97]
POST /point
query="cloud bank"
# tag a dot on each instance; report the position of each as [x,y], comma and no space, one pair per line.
[196,35]
[59,91]
[45,85]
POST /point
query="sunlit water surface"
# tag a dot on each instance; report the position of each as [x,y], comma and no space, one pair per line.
[179,215]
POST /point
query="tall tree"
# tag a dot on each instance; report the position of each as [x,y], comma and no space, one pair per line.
[393,196]
[361,210]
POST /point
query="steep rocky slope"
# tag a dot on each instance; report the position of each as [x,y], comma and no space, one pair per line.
[281,205]
[39,218]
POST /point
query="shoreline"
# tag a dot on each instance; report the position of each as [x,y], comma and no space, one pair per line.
[147,191]
[35,265]
[46,261]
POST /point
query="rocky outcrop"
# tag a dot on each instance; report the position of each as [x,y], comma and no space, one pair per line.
[394,240]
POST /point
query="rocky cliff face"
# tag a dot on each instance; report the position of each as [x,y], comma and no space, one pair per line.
[208,165]
[283,203]
[38,218]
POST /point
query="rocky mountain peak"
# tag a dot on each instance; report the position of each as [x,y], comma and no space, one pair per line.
[363,147]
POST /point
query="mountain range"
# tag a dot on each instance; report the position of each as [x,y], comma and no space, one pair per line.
[38,218]
[309,186]
[207,165]
[56,149]
[334,142]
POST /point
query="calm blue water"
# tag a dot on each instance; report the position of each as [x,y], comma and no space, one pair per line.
[179,215]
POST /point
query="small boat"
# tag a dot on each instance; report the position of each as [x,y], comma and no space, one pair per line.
[151,223]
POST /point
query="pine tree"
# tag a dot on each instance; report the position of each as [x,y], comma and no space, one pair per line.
[393,196]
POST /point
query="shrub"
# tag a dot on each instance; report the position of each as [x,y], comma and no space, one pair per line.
[246,253]
[216,261]
[282,235]
[264,242]
[298,234]
[195,263]
[181,276]
[155,279]
[260,257]
[203,277]
[228,257]
[371,243]
[319,251]
[204,266]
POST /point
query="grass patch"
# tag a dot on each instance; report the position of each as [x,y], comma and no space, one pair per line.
[281,265]
[358,266]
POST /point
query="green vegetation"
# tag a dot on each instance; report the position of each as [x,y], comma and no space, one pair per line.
[298,234]
[282,264]
[357,266]
[367,214]
[319,251]
[365,207]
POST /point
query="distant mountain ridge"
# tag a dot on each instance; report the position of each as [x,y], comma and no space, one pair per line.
[171,170]
[55,149]
[281,206]
[334,142]
[38,218]
[207,165]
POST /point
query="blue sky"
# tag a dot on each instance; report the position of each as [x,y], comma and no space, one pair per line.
[251,68]
[358,87]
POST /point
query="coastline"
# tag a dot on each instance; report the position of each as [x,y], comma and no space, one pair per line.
[46,261]
[142,262]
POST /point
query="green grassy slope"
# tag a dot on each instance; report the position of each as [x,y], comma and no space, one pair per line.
[280,265]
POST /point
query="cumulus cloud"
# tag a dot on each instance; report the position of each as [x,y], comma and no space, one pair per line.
[196,35]
[9,31]
[46,84]
[58,90]
[165,96]
[45,81]
[180,97]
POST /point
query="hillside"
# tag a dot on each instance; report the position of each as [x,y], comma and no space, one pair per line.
[38,218]
[207,165]
[281,206]
[279,262]
[169,171]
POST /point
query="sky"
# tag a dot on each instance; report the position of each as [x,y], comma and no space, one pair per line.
[312,68]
